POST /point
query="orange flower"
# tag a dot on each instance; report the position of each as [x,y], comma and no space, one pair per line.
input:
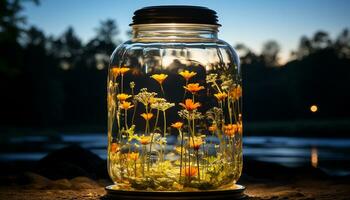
[126,105]
[187,75]
[230,129]
[159,77]
[145,139]
[123,70]
[196,142]
[213,128]
[115,71]
[119,70]
[220,96]
[123,96]
[236,92]
[190,171]
[133,156]
[193,87]
[114,147]
[177,125]
[190,105]
[147,116]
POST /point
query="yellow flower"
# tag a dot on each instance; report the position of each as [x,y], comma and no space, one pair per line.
[126,105]
[177,125]
[236,92]
[190,105]
[220,96]
[123,70]
[145,139]
[159,77]
[133,156]
[230,129]
[187,75]
[147,116]
[196,142]
[213,128]
[190,171]
[123,96]
[193,87]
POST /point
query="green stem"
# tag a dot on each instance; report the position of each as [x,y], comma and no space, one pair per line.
[238,105]
[135,106]
[156,123]
[147,124]
[161,88]
[189,149]
[205,168]
[143,159]
[197,155]
[185,91]
[234,111]
[229,109]
[150,152]
[135,168]
[126,119]
[216,85]
[220,104]
[115,83]
[118,122]
[134,113]
[164,128]
[122,83]
[182,143]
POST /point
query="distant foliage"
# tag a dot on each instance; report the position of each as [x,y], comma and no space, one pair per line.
[60,81]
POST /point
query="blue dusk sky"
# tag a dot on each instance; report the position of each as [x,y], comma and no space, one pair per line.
[251,22]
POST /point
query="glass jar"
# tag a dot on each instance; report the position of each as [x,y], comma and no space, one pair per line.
[174,104]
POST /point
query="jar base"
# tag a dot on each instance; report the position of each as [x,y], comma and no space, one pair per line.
[237,192]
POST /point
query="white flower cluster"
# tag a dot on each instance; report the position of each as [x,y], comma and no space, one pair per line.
[144,96]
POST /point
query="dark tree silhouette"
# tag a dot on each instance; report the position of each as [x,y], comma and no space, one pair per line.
[321,40]
[304,49]
[107,31]
[69,49]
[270,53]
[342,43]
[247,56]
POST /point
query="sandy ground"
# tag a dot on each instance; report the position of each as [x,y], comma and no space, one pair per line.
[300,190]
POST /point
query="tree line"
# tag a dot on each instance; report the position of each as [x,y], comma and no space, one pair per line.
[48,81]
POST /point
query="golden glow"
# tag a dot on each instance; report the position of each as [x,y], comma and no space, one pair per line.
[314,157]
[313,108]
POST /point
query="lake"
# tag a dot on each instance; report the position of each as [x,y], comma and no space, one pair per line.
[329,154]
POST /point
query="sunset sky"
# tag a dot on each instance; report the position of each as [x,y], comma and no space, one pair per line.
[249,22]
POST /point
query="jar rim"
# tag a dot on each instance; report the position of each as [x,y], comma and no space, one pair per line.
[175,26]
[175,14]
